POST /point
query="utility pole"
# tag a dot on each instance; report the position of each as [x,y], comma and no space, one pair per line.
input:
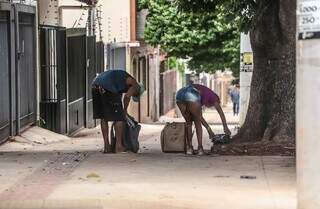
[246,69]
[157,82]
[308,103]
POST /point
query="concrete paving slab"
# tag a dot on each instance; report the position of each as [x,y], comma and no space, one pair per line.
[150,179]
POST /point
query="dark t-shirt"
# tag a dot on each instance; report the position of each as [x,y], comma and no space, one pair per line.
[114,81]
[208,97]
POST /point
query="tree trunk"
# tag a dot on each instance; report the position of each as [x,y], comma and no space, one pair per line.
[271,112]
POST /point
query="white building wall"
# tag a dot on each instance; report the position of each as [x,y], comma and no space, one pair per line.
[115,17]
[307,109]
[49,12]
[307,123]
[73,18]
[115,20]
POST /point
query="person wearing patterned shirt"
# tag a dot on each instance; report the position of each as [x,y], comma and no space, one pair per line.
[190,100]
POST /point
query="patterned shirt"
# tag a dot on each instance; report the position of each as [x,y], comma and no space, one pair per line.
[208,97]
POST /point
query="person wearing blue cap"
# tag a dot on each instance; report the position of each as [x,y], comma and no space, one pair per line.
[107,90]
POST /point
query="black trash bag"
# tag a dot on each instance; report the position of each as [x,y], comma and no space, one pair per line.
[131,137]
[221,139]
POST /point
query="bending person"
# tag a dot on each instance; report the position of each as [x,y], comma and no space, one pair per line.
[190,100]
[107,90]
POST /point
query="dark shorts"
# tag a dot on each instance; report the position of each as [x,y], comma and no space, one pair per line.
[107,106]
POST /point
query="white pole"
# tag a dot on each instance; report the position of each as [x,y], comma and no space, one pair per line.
[308,104]
[157,83]
[38,65]
[245,76]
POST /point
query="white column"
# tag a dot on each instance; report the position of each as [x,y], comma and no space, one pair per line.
[245,77]
[157,82]
[308,107]
[38,64]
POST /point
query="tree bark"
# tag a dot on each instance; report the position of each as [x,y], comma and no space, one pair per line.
[271,112]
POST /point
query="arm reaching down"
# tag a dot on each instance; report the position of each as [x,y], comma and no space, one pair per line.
[223,118]
[127,97]
[126,101]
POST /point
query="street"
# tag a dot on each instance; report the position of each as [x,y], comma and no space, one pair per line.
[41,169]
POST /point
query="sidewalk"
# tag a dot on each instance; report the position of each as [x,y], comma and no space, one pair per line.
[74,174]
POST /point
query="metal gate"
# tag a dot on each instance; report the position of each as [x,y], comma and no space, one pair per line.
[100,57]
[90,75]
[26,72]
[4,75]
[77,64]
[53,104]
[81,72]
[17,68]
[66,99]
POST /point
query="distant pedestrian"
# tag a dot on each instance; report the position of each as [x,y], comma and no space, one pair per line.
[190,100]
[235,98]
[107,90]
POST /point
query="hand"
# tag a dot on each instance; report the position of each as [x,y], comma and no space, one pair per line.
[101,90]
[227,131]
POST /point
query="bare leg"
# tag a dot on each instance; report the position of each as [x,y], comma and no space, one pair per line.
[189,136]
[196,112]
[188,119]
[119,128]
[105,134]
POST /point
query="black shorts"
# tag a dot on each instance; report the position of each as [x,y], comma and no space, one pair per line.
[107,106]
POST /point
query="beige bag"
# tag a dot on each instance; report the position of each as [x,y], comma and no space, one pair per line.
[173,138]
